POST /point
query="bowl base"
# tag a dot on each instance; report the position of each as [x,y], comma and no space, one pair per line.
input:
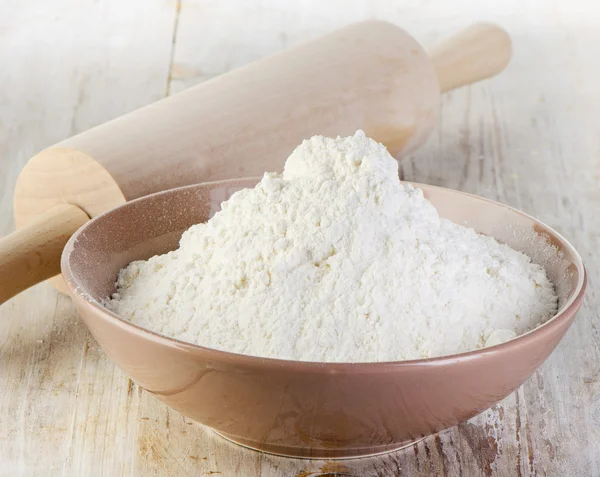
[318,452]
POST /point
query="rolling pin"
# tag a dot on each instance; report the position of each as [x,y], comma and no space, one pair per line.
[371,75]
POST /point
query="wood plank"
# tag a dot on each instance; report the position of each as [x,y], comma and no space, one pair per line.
[67,66]
[528,138]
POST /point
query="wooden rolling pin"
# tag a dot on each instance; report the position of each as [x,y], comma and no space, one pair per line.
[371,76]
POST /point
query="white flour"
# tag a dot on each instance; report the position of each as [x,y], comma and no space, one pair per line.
[336,260]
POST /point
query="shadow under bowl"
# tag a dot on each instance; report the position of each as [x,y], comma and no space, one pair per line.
[308,409]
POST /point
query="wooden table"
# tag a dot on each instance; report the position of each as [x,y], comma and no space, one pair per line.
[529,138]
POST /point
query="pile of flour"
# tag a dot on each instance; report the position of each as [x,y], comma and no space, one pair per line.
[336,260]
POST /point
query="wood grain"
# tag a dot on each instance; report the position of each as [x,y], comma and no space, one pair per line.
[528,138]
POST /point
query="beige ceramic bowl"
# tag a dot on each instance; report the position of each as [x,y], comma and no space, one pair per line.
[299,408]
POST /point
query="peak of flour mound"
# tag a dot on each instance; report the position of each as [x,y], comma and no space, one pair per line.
[324,158]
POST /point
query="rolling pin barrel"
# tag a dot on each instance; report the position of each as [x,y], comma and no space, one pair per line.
[371,76]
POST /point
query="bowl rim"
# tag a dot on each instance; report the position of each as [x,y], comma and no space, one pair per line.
[78,293]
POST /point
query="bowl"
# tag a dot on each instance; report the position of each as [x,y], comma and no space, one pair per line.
[309,409]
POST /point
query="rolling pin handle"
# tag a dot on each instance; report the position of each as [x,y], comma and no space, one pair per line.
[478,52]
[31,254]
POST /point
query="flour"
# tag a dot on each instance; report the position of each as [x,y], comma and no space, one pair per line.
[336,260]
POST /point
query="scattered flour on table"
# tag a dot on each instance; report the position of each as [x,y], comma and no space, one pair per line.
[336,260]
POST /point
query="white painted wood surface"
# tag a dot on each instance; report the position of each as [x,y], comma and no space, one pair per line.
[529,138]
